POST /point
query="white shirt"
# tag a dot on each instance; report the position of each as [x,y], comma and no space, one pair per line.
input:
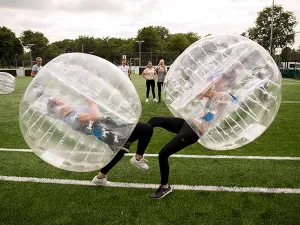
[125,69]
[36,68]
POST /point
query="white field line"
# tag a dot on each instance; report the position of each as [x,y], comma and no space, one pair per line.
[15,150]
[285,80]
[154,186]
[188,156]
[290,102]
[290,84]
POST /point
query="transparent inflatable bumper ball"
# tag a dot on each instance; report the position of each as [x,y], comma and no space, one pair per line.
[227,87]
[78,112]
[7,83]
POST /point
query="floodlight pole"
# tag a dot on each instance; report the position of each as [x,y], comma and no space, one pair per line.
[140,53]
[272,23]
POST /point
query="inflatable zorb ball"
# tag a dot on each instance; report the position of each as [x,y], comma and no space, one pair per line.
[228,88]
[7,83]
[66,91]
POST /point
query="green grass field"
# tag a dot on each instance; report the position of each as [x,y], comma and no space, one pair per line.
[48,203]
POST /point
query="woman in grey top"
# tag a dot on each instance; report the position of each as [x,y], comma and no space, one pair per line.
[161,71]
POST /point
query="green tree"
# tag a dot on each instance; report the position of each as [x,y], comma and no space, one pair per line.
[163,32]
[38,41]
[65,45]
[127,48]
[51,52]
[114,45]
[285,54]
[109,48]
[192,37]
[178,43]
[10,46]
[151,38]
[295,55]
[84,44]
[283,28]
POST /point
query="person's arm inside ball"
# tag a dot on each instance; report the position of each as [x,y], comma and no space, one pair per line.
[92,115]
[80,119]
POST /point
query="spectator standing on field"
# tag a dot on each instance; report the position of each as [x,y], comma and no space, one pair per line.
[125,68]
[161,71]
[149,74]
[36,67]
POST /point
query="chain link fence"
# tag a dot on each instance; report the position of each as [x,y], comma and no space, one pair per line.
[154,57]
[289,69]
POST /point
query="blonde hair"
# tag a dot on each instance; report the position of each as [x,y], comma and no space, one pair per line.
[37,58]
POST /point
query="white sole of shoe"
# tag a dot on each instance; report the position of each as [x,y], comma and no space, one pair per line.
[101,184]
[107,183]
[145,170]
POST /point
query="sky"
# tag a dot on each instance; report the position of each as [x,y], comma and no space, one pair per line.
[61,19]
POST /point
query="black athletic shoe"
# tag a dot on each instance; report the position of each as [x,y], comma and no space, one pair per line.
[161,192]
[127,145]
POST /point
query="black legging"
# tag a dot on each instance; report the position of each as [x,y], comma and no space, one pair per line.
[159,85]
[185,137]
[142,132]
[152,84]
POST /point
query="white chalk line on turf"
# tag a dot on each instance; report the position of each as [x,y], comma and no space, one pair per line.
[188,156]
[290,102]
[290,81]
[154,186]
[290,84]
[15,150]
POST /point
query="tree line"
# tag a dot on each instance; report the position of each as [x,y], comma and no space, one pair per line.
[158,42]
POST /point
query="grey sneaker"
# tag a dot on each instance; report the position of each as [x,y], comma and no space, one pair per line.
[161,192]
[102,181]
[141,164]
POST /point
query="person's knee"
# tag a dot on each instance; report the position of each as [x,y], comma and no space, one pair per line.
[146,128]
[163,155]
[153,121]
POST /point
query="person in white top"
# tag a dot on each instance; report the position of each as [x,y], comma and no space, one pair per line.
[125,68]
[37,67]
